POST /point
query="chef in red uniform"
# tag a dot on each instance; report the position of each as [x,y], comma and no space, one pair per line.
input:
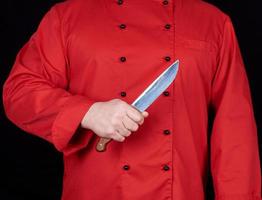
[89,60]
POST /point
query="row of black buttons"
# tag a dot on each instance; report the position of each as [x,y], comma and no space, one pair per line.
[123,26]
[165,167]
[123,58]
[120,2]
[123,93]
[165,93]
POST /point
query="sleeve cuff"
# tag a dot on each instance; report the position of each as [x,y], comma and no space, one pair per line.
[67,135]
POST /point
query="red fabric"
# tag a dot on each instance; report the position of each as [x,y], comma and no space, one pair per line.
[73,60]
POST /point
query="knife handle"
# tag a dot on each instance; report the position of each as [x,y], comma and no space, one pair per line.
[102,143]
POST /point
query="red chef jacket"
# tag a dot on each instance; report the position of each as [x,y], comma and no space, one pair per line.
[86,51]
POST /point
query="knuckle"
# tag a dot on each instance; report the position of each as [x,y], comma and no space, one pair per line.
[115,121]
[110,132]
[110,135]
[122,105]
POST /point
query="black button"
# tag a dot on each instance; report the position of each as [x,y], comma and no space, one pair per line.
[167,26]
[167,132]
[167,58]
[123,59]
[122,26]
[120,2]
[165,2]
[166,167]
[123,94]
[126,167]
[166,93]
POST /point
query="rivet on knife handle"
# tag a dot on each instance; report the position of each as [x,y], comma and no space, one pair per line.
[101,145]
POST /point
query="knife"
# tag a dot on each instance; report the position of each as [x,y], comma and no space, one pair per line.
[150,94]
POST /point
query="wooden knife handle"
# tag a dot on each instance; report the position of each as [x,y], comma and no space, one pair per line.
[101,145]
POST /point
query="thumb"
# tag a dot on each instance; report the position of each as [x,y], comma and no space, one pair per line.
[145,114]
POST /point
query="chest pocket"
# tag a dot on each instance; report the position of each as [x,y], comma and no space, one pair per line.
[193,44]
[199,60]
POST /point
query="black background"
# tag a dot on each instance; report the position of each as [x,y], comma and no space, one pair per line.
[30,167]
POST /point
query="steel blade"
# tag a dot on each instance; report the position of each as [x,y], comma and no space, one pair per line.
[157,87]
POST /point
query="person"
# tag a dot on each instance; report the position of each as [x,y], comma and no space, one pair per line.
[75,79]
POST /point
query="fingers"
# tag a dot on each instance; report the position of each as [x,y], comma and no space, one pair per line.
[122,130]
[130,124]
[117,137]
[135,115]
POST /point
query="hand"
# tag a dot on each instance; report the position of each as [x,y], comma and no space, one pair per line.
[113,119]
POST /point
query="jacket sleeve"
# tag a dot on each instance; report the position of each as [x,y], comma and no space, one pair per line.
[35,94]
[235,164]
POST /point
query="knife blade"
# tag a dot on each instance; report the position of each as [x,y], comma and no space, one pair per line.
[149,95]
